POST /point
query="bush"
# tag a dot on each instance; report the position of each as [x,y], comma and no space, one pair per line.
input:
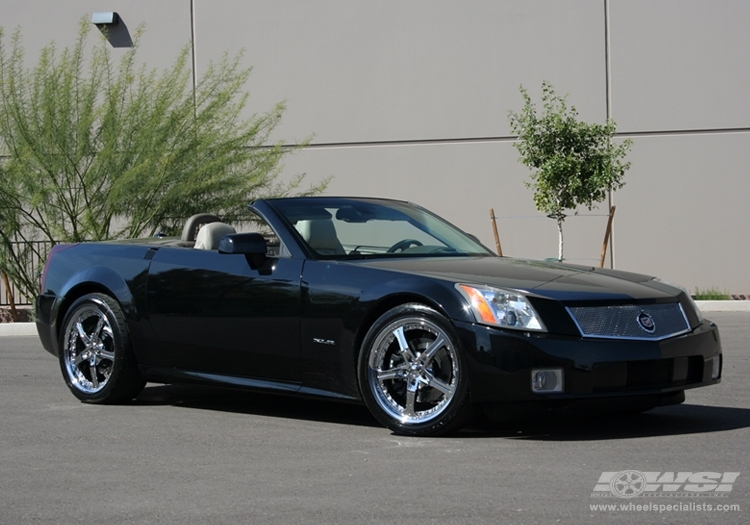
[97,149]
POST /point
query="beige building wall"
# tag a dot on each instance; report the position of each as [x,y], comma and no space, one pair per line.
[409,100]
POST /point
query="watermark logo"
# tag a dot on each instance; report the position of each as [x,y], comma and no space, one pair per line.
[634,483]
[627,484]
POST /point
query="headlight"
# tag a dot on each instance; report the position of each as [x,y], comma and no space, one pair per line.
[503,308]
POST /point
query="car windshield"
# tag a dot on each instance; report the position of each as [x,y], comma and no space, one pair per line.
[345,228]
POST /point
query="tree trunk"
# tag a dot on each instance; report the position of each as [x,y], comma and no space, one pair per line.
[561,241]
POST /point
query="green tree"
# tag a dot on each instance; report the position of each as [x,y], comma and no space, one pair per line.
[96,148]
[574,163]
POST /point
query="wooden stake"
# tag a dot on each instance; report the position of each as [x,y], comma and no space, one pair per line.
[607,235]
[9,295]
[494,230]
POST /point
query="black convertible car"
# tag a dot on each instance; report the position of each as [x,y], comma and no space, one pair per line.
[368,300]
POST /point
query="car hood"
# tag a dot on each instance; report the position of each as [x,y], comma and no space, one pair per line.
[562,282]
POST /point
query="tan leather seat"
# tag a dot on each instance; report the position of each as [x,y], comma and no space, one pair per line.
[320,234]
[210,234]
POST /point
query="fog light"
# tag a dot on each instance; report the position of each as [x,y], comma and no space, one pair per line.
[715,367]
[549,380]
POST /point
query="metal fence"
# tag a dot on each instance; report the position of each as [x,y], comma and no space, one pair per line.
[36,265]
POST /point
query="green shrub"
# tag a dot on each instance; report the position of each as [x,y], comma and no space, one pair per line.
[711,294]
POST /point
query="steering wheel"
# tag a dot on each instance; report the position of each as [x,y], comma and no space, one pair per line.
[400,246]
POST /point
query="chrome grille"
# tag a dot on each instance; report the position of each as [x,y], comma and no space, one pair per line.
[627,321]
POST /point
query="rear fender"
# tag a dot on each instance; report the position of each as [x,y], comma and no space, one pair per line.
[94,279]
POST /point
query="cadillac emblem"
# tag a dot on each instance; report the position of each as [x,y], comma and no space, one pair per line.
[646,322]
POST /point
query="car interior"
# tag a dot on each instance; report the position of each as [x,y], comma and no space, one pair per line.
[203,231]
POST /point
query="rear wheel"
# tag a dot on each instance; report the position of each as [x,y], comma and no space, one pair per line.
[412,372]
[96,357]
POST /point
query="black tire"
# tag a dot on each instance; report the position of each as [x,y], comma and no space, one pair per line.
[412,372]
[96,357]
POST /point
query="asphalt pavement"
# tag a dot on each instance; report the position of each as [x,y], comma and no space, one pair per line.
[189,455]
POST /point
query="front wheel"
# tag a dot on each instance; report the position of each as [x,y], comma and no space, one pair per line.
[412,372]
[96,357]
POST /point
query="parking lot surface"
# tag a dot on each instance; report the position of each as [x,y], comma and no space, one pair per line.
[193,455]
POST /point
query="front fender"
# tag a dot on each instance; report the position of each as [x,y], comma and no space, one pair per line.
[440,295]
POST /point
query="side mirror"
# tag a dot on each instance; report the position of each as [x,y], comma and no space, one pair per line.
[252,245]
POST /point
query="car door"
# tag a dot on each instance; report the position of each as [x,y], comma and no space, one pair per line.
[213,313]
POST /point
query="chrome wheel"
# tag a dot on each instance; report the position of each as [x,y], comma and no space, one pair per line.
[89,353]
[96,357]
[413,373]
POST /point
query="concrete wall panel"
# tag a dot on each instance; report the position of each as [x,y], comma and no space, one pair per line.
[684,212]
[419,70]
[680,64]
[166,23]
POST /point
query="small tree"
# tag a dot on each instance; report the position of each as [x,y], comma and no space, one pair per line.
[574,163]
[93,148]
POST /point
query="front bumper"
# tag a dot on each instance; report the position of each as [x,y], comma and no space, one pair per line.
[595,371]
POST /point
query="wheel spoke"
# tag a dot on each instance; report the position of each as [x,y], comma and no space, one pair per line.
[438,384]
[403,345]
[392,373]
[99,325]
[411,397]
[94,377]
[431,350]
[105,354]
[82,333]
